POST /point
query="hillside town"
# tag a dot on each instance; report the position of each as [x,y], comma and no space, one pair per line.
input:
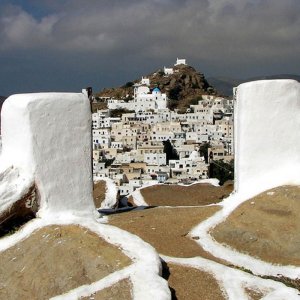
[148,143]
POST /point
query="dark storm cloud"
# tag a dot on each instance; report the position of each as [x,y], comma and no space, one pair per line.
[231,37]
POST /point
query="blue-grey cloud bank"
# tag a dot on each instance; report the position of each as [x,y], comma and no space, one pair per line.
[51,45]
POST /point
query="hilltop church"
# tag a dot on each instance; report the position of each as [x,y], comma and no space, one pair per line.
[144,99]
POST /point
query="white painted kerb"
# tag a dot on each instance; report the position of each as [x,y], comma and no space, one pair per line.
[267,135]
[48,136]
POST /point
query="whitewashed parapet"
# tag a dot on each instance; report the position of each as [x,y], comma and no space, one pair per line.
[47,138]
[267,135]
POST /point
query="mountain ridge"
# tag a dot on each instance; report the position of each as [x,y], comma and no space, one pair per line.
[225,84]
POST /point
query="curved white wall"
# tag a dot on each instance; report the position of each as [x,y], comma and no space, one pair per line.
[267,135]
[48,136]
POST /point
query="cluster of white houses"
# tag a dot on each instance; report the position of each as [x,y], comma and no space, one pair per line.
[130,149]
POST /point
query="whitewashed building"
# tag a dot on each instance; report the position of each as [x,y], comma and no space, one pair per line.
[144,99]
[180,61]
[155,159]
[168,71]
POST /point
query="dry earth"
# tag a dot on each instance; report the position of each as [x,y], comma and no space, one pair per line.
[192,284]
[54,260]
[267,226]
[119,291]
[166,229]
[99,192]
[193,195]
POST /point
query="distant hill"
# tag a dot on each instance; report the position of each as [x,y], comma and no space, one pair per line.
[279,76]
[183,88]
[225,85]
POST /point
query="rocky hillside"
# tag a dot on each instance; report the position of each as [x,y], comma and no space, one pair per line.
[184,87]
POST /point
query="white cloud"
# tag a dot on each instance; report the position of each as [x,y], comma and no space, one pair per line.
[194,26]
[20,30]
[225,36]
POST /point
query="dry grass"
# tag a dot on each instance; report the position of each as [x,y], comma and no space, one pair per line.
[267,226]
[54,260]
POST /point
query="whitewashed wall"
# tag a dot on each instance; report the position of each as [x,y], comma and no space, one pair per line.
[48,136]
[267,135]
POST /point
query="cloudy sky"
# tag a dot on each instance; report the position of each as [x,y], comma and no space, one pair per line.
[64,45]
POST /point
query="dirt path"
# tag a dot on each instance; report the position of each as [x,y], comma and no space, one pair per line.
[54,260]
